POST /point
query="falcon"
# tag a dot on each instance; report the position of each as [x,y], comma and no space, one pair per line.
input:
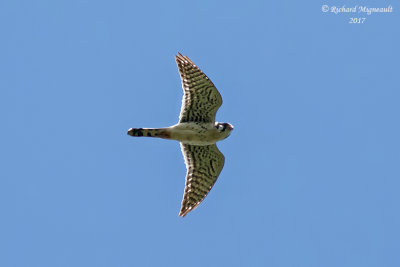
[197,131]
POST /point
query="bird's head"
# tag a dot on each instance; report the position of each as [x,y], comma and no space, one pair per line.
[224,128]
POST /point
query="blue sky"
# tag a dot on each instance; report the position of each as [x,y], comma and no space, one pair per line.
[312,172]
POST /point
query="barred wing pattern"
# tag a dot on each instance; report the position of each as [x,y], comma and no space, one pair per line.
[201,99]
[204,164]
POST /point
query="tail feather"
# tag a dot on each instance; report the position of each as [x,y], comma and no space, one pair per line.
[149,132]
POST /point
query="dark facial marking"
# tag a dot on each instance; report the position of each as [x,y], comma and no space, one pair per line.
[223,127]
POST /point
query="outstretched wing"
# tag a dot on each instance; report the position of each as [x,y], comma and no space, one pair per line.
[204,164]
[201,99]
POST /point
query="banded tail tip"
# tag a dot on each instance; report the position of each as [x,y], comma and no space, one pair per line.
[149,132]
[135,132]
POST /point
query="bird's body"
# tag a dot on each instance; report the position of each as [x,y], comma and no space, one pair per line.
[190,133]
[197,131]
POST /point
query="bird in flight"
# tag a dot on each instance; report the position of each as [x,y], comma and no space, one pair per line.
[197,131]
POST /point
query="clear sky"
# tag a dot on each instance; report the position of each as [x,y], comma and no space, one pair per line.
[312,171]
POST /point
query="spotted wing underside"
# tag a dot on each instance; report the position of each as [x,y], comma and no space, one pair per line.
[201,99]
[204,164]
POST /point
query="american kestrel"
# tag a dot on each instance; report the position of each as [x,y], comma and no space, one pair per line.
[197,131]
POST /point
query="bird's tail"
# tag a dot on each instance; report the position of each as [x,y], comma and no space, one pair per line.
[150,132]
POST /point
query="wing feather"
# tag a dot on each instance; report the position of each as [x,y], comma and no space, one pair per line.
[204,164]
[201,99]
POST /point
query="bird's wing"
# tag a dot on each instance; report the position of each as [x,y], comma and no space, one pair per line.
[201,99]
[203,164]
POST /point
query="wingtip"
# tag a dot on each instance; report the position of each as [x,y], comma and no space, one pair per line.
[184,60]
[183,213]
[179,57]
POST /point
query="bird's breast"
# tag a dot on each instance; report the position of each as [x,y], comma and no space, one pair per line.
[195,133]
